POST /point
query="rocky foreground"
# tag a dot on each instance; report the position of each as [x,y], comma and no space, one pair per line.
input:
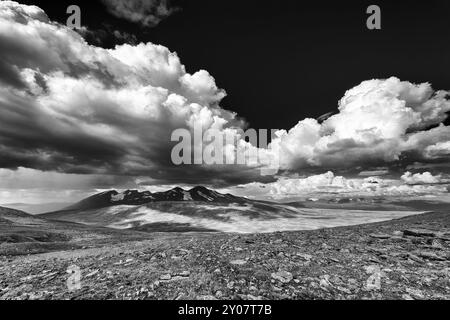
[407,258]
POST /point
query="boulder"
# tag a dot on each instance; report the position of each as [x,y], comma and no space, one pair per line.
[419,233]
[282,276]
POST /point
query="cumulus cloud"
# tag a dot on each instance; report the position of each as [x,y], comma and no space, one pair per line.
[148,13]
[328,185]
[379,121]
[438,151]
[83,109]
[71,107]
[106,34]
[421,178]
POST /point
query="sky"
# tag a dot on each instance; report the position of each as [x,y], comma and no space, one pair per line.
[95,108]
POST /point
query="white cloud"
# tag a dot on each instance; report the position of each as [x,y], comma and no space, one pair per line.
[420,178]
[85,109]
[75,108]
[146,12]
[378,121]
[330,185]
[438,150]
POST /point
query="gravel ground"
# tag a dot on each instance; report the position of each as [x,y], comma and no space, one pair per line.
[407,258]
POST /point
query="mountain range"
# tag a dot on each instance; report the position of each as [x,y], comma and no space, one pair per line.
[203,210]
[135,197]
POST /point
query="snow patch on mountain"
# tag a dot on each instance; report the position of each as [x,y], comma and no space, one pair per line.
[205,196]
[117,197]
[187,196]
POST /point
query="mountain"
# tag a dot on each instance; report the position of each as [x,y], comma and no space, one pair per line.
[134,197]
[203,210]
[36,208]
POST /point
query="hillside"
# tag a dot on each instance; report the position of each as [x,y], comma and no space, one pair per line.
[21,233]
[408,258]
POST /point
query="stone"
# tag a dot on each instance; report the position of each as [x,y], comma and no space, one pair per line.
[436,244]
[430,256]
[165,277]
[381,236]
[305,256]
[252,297]
[325,282]
[415,293]
[419,233]
[414,258]
[183,274]
[238,262]
[206,298]
[344,290]
[282,276]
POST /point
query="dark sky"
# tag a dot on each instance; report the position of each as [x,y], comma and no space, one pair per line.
[283,61]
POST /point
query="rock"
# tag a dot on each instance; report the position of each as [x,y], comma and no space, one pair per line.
[415,293]
[282,276]
[436,244]
[277,289]
[305,256]
[399,239]
[93,273]
[325,282]
[251,297]
[430,256]
[419,233]
[344,290]
[238,262]
[165,277]
[206,297]
[445,236]
[374,281]
[183,274]
[352,282]
[381,236]
[415,258]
